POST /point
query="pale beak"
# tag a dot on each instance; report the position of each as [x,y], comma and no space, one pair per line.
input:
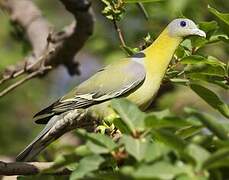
[198,32]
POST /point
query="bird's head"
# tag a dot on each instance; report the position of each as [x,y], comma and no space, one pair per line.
[184,27]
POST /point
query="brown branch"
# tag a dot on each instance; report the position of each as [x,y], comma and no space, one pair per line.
[27,68]
[37,29]
[143,10]
[25,14]
[75,35]
[29,168]
[25,79]
[119,32]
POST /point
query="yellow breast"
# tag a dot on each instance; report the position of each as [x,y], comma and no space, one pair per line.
[156,61]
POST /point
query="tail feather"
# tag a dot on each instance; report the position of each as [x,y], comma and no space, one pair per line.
[33,149]
[56,127]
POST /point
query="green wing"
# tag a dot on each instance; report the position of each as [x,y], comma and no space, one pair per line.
[112,81]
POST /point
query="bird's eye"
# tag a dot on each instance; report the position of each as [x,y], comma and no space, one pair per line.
[182,23]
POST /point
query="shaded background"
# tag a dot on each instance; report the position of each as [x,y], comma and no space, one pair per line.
[17,128]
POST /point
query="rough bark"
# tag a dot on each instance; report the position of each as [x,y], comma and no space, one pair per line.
[53,48]
[29,168]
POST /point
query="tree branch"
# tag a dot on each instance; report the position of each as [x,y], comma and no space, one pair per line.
[120,34]
[25,79]
[29,168]
[143,10]
[63,45]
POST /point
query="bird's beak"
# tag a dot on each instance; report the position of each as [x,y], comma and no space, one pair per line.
[198,32]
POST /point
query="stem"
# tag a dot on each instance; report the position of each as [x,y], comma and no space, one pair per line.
[143,10]
[18,83]
[120,34]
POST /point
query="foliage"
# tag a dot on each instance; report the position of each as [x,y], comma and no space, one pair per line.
[162,146]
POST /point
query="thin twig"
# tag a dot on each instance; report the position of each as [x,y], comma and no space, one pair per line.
[41,70]
[143,10]
[120,35]
[23,80]
[194,49]
[22,71]
[28,67]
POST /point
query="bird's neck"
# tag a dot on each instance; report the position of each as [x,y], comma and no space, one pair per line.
[160,52]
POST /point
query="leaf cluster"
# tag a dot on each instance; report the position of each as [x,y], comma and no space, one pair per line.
[155,145]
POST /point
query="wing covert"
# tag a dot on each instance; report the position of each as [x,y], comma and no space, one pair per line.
[112,81]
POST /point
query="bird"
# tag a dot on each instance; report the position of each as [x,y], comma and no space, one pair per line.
[136,78]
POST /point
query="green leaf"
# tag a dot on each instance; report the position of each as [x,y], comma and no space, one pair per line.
[187,45]
[102,140]
[96,148]
[218,159]
[97,143]
[222,16]
[67,159]
[160,170]
[211,98]
[218,37]
[129,113]
[121,126]
[204,66]
[135,147]
[152,121]
[223,37]
[87,165]
[156,150]
[204,69]
[82,151]
[161,114]
[208,26]
[196,59]
[198,153]
[187,132]
[130,51]
[217,80]
[212,124]
[198,42]
[170,139]
[180,52]
[179,81]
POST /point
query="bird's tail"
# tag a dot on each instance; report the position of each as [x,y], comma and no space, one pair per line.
[56,127]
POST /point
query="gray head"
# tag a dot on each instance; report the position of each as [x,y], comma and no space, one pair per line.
[184,27]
